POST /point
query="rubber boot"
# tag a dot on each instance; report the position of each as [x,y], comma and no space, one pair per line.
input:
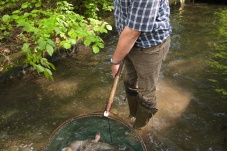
[143,115]
[132,104]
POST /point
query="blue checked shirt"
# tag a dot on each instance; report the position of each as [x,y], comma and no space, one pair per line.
[150,17]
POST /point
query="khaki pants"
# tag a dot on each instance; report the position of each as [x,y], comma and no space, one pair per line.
[142,67]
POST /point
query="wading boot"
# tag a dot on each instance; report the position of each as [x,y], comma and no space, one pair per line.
[133,105]
[143,115]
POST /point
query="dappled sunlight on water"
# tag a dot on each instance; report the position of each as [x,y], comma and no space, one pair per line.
[172,102]
[63,88]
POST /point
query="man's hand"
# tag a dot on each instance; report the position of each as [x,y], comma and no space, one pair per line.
[115,70]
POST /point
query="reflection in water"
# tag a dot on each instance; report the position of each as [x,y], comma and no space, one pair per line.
[191,116]
[218,63]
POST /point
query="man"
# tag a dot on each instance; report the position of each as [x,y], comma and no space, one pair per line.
[144,29]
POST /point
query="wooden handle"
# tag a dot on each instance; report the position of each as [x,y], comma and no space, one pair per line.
[113,90]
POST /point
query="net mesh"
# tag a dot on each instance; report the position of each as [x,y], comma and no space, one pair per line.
[113,130]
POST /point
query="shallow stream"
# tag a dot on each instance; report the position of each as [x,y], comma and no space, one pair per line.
[191,116]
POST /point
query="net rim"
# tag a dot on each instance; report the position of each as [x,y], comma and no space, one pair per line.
[97,113]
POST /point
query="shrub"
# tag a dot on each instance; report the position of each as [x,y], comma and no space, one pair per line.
[39,29]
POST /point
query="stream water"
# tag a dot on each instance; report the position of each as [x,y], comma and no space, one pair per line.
[191,116]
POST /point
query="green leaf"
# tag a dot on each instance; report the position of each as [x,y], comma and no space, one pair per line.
[2,27]
[51,42]
[43,61]
[63,35]
[35,11]
[109,27]
[39,68]
[73,41]
[42,43]
[24,5]
[16,17]
[95,49]
[25,47]
[38,4]
[16,12]
[57,30]
[6,33]
[26,14]
[74,35]
[52,66]
[67,46]
[101,45]
[46,35]
[46,74]
[87,42]
[50,49]
[48,71]
[22,22]
[5,18]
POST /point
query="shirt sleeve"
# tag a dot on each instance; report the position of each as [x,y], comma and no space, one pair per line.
[142,15]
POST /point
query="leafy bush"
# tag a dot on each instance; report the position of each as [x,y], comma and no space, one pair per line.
[43,30]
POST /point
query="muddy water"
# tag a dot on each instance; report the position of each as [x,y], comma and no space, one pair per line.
[190,116]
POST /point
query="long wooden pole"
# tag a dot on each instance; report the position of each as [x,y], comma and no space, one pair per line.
[113,90]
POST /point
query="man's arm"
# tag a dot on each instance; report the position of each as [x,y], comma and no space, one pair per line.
[125,43]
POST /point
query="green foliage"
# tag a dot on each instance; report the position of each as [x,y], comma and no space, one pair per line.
[218,64]
[40,27]
[93,8]
[8,4]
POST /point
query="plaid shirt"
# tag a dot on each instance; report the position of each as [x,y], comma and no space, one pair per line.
[151,17]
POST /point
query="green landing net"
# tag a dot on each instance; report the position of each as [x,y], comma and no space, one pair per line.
[114,131]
